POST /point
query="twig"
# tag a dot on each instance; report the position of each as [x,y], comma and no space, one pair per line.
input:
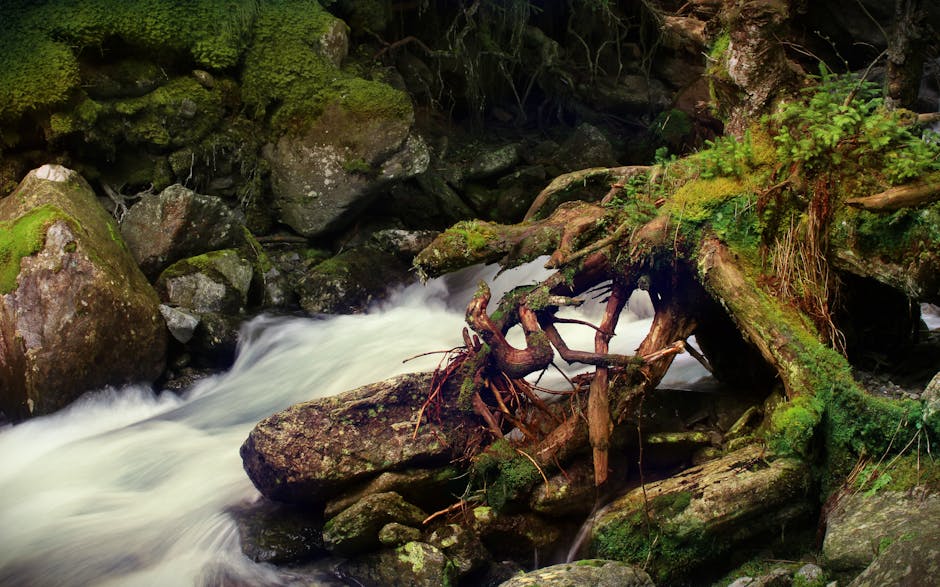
[526,455]
[451,508]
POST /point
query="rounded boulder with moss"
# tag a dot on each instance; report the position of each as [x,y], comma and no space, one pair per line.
[76,313]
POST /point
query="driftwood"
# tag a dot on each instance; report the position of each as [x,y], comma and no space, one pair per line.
[904,196]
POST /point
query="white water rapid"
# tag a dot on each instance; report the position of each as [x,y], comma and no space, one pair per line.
[130,487]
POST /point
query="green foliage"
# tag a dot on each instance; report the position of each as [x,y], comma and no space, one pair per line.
[38,65]
[726,157]
[842,121]
[505,474]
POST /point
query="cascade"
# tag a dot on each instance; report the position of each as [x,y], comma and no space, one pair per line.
[131,487]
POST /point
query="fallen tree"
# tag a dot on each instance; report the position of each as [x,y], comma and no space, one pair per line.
[759,227]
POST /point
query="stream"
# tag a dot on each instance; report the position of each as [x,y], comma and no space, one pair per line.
[131,487]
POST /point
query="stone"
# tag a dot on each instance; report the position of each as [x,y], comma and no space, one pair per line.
[177,223]
[351,281]
[810,574]
[432,488]
[461,546]
[76,313]
[595,572]
[356,529]
[314,451]
[516,537]
[861,525]
[912,559]
[180,323]
[415,564]
[566,494]
[218,281]
[327,174]
[277,533]
[395,534]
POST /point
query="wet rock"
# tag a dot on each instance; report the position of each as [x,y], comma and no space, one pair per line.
[912,559]
[566,494]
[213,282]
[432,488]
[461,546]
[415,564]
[861,526]
[351,281]
[215,340]
[278,533]
[356,529]
[316,450]
[514,536]
[76,313]
[596,572]
[178,223]
[181,324]
[326,175]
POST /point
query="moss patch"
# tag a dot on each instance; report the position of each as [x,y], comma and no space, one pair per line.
[23,237]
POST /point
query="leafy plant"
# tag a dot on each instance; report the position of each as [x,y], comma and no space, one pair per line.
[726,157]
[843,121]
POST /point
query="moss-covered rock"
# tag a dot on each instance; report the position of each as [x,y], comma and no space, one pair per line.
[597,572]
[75,311]
[217,281]
[414,564]
[178,223]
[356,529]
[278,533]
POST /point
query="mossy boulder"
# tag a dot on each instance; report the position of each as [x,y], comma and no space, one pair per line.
[356,529]
[597,572]
[313,451]
[279,533]
[217,281]
[178,223]
[414,564]
[76,313]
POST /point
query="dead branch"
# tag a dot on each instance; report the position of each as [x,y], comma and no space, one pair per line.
[904,196]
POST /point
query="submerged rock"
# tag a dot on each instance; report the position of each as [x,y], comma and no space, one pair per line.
[278,533]
[351,281]
[595,572]
[313,451]
[76,313]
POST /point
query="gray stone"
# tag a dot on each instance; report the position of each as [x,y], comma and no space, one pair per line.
[461,546]
[912,559]
[351,281]
[860,526]
[215,282]
[294,455]
[415,564]
[178,223]
[395,534]
[595,572]
[277,533]
[181,324]
[356,529]
[76,313]
[810,574]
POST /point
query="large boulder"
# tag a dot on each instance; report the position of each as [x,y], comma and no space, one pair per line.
[600,573]
[76,313]
[325,175]
[178,223]
[313,451]
[862,526]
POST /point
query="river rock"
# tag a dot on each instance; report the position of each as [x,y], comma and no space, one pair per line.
[565,494]
[76,313]
[415,564]
[325,175]
[279,533]
[213,282]
[461,546]
[861,526]
[514,536]
[351,281]
[313,451]
[356,529]
[432,488]
[595,572]
[178,223]
[912,559]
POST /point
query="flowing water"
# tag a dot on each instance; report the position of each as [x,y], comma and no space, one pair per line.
[131,487]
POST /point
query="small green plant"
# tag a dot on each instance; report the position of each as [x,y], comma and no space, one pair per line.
[727,157]
[843,121]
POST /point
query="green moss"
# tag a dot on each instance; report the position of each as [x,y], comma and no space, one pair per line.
[505,474]
[38,66]
[667,551]
[696,199]
[23,237]
[469,235]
